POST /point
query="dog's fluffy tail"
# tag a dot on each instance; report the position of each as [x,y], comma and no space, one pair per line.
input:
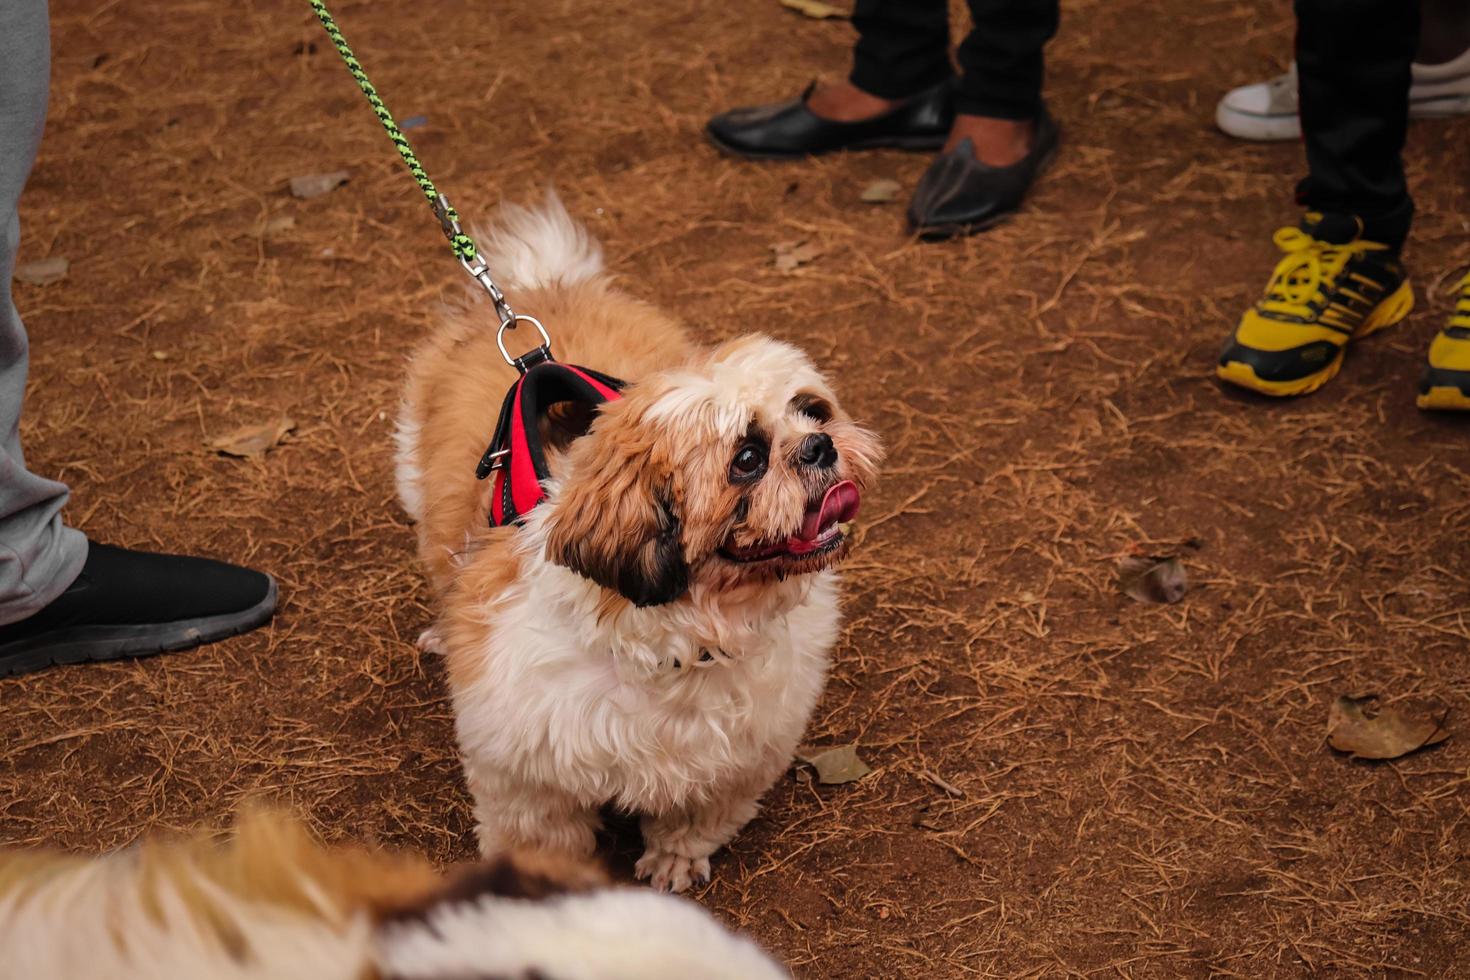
[534,248]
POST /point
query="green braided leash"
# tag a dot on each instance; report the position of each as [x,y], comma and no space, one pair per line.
[461,244]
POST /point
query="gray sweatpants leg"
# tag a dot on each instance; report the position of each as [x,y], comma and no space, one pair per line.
[39,557]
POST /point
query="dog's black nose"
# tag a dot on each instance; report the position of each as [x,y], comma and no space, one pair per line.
[817,451]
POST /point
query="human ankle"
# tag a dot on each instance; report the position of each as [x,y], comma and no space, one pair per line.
[845,102]
[997,142]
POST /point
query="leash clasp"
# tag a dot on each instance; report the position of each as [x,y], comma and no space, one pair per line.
[480,272]
[474,264]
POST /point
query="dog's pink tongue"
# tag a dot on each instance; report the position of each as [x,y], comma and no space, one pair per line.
[839,504]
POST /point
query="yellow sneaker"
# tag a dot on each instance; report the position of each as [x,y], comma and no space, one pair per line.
[1446,381]
[1321,296]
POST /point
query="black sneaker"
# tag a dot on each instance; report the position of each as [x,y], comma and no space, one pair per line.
[135,603]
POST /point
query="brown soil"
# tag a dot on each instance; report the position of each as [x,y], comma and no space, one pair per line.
[1137,790]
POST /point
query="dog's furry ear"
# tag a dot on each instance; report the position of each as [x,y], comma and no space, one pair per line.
[615,520]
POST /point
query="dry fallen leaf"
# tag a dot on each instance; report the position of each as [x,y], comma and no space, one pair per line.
[1387,734]
[42,272]
[816,9]
[253,440]
[315,185]
[790,255]
[834,765]
[881,191]
[1156,578]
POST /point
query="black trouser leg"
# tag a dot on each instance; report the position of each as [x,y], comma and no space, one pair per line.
[902,48]
[1353,59]
[1001,59]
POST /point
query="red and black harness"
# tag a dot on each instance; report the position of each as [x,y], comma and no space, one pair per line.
[516,454]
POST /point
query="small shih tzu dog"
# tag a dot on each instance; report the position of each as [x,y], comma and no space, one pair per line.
[273,904]
[654,635]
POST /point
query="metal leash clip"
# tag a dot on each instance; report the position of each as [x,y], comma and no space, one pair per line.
[509,318]
[474,265]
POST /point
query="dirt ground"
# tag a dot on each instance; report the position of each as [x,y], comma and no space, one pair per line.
[1135,790]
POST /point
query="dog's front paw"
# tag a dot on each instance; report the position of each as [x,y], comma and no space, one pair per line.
[671,872]
[431,641]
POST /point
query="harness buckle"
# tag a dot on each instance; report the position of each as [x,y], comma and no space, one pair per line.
[493,460]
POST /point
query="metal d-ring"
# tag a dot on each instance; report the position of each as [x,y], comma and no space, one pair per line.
[510,323]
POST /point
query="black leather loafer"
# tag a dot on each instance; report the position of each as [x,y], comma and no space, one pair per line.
[959,195]
[789,129]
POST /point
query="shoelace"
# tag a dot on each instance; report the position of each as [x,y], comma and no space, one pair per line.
[1461,316]
[1297,282]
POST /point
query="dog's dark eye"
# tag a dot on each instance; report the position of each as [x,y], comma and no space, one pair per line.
[749,462]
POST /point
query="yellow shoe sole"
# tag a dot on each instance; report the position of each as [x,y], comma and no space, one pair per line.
[1386,314]
[1442,399]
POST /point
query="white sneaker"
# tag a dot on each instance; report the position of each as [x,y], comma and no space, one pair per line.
[1268,110]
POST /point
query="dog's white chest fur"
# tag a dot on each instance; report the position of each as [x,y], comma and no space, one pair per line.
[624,710]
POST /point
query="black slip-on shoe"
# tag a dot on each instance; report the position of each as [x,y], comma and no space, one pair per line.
[135,603]
[959,195]
[787,130]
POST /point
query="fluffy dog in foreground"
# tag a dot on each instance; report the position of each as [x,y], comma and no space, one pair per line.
[655,635]
[274,905]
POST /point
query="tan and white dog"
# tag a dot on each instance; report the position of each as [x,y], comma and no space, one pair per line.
[273,904]
[657,632]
